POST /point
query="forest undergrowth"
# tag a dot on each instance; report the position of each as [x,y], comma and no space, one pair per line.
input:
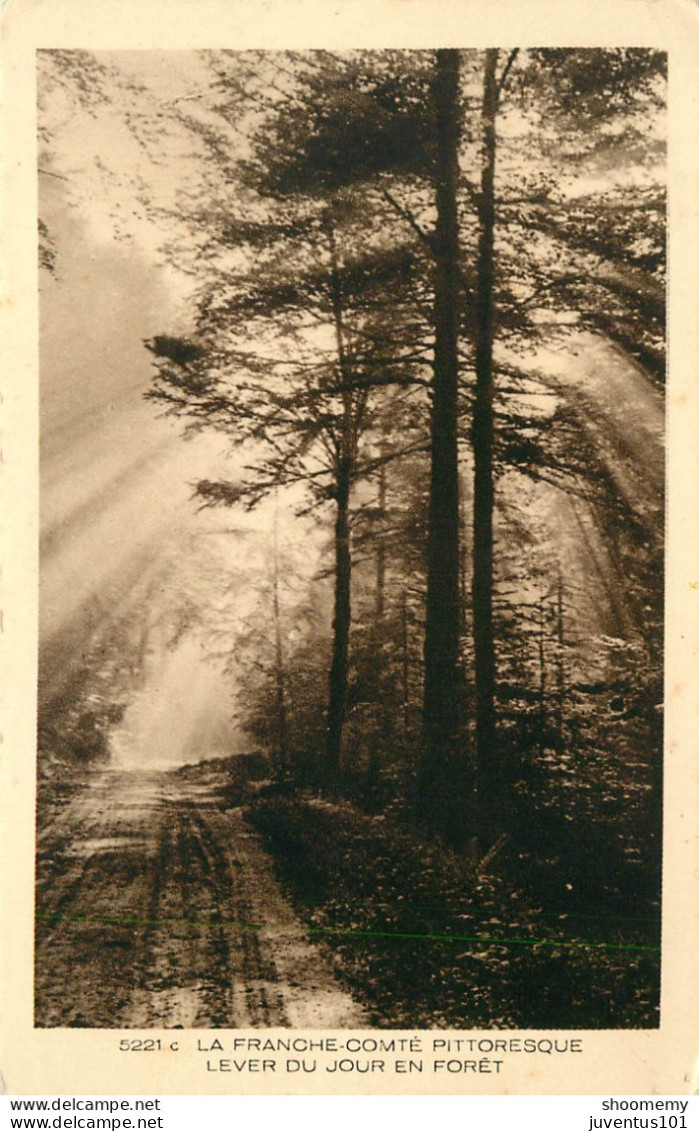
[425,940]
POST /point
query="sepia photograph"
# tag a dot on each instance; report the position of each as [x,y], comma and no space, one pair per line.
[352,501]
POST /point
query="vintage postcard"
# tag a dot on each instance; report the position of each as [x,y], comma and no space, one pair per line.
[350,564]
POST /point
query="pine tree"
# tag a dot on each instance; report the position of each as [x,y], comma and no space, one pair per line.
[311,403]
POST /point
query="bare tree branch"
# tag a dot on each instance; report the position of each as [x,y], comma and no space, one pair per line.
[508,67]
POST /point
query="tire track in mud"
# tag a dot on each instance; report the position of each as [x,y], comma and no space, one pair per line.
[65,868]
[164,911]
[187,980]
[251,976]
[92,892]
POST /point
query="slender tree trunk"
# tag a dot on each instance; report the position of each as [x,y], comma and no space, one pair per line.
[381,545]
[406,660]
[373,776]
[441,800]
[560,662]
[489,770]
[339,666]
[280,680]
[542,676]
[463,567]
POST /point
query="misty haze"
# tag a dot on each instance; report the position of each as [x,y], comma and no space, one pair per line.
[352,508]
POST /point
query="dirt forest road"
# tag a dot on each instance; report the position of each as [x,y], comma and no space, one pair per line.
[158,907]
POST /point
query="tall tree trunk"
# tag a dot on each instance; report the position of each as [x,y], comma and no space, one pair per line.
[280,680]
[339,666]
[489,770]
[381,545]
[406,662]
[560,661]
[542,675]
[373,776]
[441,800]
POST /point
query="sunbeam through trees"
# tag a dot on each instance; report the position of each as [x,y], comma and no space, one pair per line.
[352,374]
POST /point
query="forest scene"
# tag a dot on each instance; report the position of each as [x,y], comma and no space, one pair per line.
[352,372]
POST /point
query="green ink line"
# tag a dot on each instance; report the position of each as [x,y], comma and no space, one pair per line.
[485,939]
[350,934]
